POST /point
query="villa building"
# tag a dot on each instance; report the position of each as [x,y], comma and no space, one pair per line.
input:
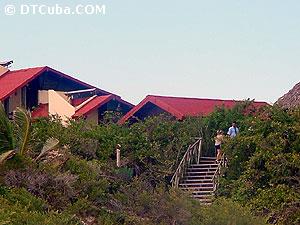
[178,107]
[45,91]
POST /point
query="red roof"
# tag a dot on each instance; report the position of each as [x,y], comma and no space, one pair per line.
[181,107]
[78,101]
[13,80]
[93,104]
[41,111]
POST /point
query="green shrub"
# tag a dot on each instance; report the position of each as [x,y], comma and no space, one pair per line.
[225,211]
[18,214]
[56,189]
[92,179]
[24,198]
[83,208]
[264,166]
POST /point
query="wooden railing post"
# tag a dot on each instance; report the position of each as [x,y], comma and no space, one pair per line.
[216,177]
[199,150]
[118,155]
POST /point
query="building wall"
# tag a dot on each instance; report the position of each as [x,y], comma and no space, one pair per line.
[3,70]
[93,117]
[57,102]
[15,100]
[62,94]
[43,97]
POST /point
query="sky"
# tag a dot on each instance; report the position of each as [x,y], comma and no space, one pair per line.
[208,49]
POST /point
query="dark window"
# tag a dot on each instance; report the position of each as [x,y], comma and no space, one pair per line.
[6,105]
[32,94]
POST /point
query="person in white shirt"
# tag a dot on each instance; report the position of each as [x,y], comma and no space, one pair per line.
[233,130]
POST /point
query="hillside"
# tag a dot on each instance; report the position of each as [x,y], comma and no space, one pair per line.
[77,181]
[290,99]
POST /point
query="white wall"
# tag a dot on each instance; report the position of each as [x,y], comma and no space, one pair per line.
[58,105]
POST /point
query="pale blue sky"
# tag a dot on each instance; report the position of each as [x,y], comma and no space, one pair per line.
[209,49]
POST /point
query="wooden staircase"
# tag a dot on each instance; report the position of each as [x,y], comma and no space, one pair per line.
[198,179]
[197,174]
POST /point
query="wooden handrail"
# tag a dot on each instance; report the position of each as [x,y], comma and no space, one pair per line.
[193,153]
[216,176]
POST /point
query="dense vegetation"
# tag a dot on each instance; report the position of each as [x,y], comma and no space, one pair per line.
[77,182]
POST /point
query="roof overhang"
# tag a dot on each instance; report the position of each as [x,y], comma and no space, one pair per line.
[95,102]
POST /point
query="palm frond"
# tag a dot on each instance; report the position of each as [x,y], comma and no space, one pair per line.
[6,155]
[22,119]
[6,131]
[50,144]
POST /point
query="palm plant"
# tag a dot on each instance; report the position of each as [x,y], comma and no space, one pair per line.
[14,141]
[49,145]
[15,136]
[6,132]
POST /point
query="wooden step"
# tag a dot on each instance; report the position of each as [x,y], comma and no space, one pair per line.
[196,185]
[196,173]
[204,169]
[200,193]
[196,189]
[195,180]
[205,165]
[199,166]
[197,176]
[207,158]
[212,170]
[208,162]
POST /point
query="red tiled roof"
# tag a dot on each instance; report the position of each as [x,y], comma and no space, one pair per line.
[181,107]
[13,80]
[95,103]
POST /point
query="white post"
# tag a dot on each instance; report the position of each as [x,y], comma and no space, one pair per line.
[118,152]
